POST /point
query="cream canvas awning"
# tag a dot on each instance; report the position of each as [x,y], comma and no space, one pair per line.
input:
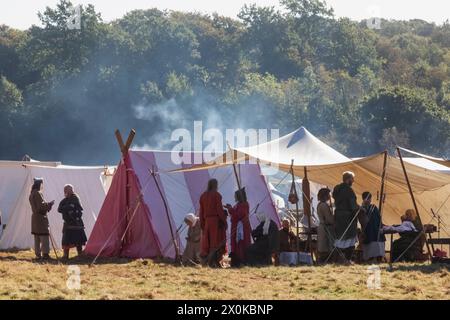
[325,166]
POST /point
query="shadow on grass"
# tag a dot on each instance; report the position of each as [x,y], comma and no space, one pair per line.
[424,268]
[24,255]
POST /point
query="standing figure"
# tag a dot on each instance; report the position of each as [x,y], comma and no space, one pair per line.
[345,220]
[266,243]
[325,231]
[73,228]
[40,227]
[373,238]
[240,228]
[191,254]
[213,222]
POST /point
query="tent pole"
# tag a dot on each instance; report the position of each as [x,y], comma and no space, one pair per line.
[166,208]
[306,191]
[234,156]
[124,148]
[413,200]
[297,213]
[383,180]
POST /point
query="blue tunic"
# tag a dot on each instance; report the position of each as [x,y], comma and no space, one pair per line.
[372,230]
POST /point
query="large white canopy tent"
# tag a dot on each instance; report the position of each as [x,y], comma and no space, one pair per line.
[15,183]
[325,166]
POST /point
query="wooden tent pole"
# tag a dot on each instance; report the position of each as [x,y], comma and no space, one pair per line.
[413,200]
[297,213]
[234,166]
[124,148]
[306,191]
[383,177]
[166,208]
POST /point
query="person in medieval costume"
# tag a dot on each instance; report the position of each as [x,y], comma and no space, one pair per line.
[73,228]
[240,228]
[213,222]
[373,240]
[191,254]
[266,241]
[345,216]
[409,247]
[288,240]
[40,227]
[325,231]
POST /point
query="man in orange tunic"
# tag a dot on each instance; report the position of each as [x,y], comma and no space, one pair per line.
[213,221]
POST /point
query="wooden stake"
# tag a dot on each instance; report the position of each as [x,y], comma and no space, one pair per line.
[297,213]
[120,141]
[413,200]
[306,191]
[177,252]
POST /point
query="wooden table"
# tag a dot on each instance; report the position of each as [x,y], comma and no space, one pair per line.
[444,241]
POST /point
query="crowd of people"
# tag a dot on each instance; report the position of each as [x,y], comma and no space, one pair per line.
[338,233]
[206,241]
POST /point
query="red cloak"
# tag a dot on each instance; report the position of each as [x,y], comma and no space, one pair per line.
[240,212]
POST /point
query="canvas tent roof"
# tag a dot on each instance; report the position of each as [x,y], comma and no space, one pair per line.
[431,188]
[441,161]
[15,183]
[145,228]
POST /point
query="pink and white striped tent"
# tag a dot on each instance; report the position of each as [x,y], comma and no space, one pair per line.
[145,229]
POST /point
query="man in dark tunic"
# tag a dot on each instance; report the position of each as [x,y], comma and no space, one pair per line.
[191,254]
[73,228]
[345,219]
[266,239]
[213,222]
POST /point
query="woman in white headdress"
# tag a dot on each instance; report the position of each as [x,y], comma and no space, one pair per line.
[191,254]
[266,241]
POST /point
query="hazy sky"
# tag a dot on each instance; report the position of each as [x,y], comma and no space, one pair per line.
[23,13]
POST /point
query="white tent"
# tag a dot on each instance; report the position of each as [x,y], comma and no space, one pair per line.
[325,166]
[15,183]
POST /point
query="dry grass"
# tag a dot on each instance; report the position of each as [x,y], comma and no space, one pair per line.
[21,278]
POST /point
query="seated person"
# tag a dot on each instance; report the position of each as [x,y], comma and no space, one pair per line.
[266,241]
[409,237]
[191,254]
[288,240]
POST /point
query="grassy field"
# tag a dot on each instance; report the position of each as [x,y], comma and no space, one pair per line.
[21,278]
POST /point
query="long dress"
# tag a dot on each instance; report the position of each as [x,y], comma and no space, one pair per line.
[325,231]
[213,222]
[73,228]
[240,232]
[374,241]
